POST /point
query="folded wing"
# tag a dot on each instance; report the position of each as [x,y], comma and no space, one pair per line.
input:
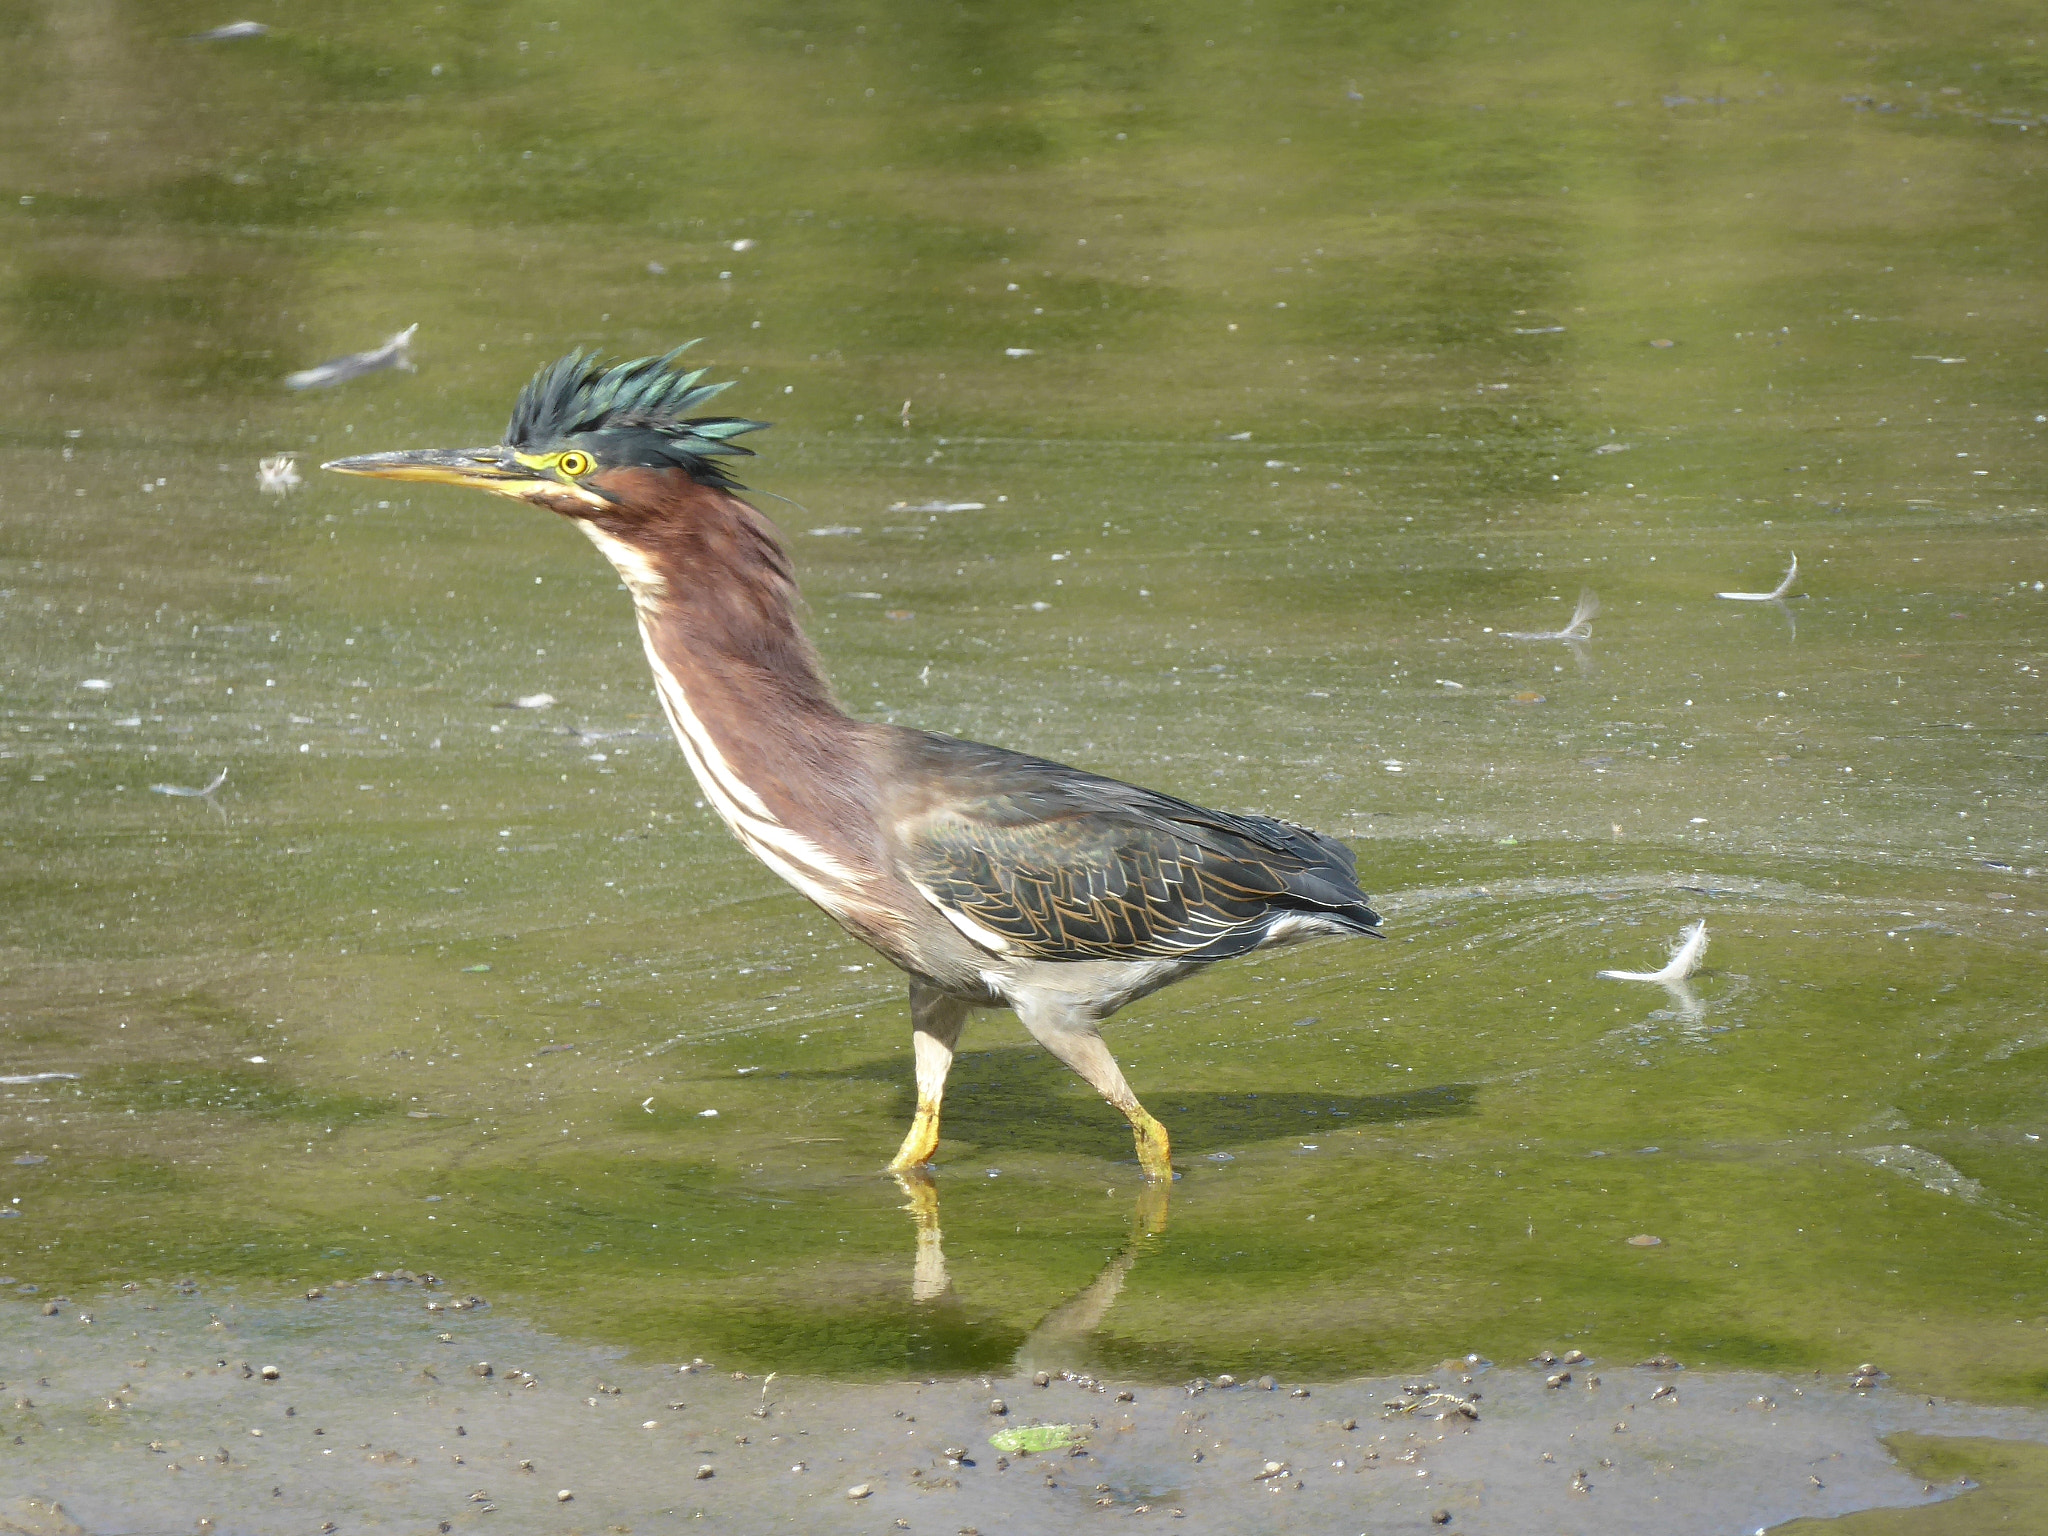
[1034,859]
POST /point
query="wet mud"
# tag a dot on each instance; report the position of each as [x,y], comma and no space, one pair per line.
[396,1406]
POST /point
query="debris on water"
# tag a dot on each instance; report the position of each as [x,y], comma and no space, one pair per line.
[834,531]
[707,1114]
[234,31]
[1580,627]
[1685,958]
[1026,1439]
[1776,593]
[1613,447]
[472,970]
[40,1077]
[532,701]
[1663,343]
[656,269]
[1924,1168]
[1019,351]
[937,506]
[96,685]
[743,245]
[1645,1240]
[1445,682]
[278,475]
[184,793]
[28,1159]
[395,353]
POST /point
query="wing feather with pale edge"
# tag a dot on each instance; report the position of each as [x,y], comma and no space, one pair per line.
[1057,864]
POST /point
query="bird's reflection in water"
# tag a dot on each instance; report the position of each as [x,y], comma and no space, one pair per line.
[1060,1337]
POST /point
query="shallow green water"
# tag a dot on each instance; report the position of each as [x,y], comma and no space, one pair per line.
[1346,351]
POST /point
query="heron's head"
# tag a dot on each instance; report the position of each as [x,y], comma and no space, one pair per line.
[586,439]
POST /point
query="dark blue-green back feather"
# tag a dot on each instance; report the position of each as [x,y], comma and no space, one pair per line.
[630,414]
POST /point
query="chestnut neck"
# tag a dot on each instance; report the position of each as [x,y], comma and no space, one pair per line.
[717,600]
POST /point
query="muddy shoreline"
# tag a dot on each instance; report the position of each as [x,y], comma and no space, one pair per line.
[398,1408]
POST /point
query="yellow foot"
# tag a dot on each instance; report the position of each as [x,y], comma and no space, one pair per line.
[921,1143]
[1155,1156]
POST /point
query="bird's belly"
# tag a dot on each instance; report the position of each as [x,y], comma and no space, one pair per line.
[1098,987]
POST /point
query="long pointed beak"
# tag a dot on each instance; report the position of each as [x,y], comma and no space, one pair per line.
[488,469]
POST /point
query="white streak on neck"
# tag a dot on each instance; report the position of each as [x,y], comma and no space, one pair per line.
[640,574]
[796,858]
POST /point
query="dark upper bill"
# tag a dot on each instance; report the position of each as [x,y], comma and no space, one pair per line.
[490,469]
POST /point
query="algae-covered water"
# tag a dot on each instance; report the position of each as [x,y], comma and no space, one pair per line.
[1201,397]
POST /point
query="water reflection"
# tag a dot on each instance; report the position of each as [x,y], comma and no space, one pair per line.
[1060,1339]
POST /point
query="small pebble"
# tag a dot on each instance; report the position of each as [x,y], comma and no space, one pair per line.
[859,1491]
[1299,1392]
[1439,1517]
[707,1470]
[1267,1384]
[998,1407]
[1574,1357]
[1226,1381]
[1041,1380]
[1559,1380]
[563,1495]
[481,1368]
[270,1373]
[1128,1397]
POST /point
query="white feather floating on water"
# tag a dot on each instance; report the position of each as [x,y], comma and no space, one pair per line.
[1580,628]
[1776,593]
[395,353]
[1685,958]
[191,794]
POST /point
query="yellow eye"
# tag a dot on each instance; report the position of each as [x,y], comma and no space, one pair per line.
[575,463]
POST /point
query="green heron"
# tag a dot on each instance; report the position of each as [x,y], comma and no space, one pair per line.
[991,877]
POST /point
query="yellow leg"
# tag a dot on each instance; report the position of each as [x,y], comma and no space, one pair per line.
[923,1140]
[1155,1155]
